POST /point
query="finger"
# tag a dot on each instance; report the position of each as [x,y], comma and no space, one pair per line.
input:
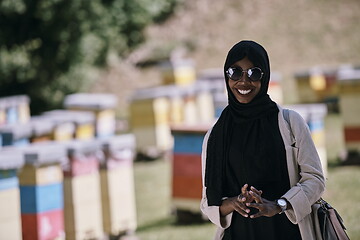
[254,205]
[241,198]
[257,198]
[244,189]
[241,209]
[256,215]
[259,192]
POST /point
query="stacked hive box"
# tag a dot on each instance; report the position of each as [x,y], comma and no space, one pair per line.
[186,167]
[14,109]
[316,85]
[82,191]
[117,185]
[349,88]
[41,190]
[275,88]
[154,110]
[205,110]
[213,81]
[176,106]
[84,122]
[190,107]
[11,159]
[102,105]
[63,128]
[179,72]
[16,134]
[220,102]
[149,111]
[314,115]
[42,129]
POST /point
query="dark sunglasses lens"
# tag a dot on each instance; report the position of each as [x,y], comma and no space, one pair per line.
[234,73]
[255,74]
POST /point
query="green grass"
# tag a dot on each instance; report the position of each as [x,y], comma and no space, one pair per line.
[156,221]
[342,192]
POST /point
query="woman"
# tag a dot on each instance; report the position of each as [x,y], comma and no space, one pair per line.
[258,183]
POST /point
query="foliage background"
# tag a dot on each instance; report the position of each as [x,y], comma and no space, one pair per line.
[51,48]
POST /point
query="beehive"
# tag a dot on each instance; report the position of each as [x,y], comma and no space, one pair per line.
[84,122]
[82,196]
[178,72]
[316,85]
[103,107]
[150,119]
[314,115]
[186,167]
[17,134]
[117,185]
[349,88]
[11,159]
[41,191]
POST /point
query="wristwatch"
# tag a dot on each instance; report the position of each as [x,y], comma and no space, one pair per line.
[282,204]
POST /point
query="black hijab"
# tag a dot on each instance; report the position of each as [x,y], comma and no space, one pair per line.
[252,117]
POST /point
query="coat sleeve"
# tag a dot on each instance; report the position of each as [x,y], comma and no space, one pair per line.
[212,212]
[311,183]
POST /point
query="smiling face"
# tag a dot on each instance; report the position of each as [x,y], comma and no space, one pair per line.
[244,89]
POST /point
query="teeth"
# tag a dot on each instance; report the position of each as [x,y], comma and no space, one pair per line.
[244,92]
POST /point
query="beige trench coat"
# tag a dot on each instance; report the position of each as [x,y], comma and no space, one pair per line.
[305,174]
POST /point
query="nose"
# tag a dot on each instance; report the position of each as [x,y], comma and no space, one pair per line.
[244,77]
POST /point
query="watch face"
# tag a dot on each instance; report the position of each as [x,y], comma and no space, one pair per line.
[281,202]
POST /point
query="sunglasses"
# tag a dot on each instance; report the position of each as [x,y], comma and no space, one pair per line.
[254,74]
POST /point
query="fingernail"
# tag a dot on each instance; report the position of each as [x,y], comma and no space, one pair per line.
[248,204]
[247,210]
[243,199]
[251,192]
[246,215]
[251,216]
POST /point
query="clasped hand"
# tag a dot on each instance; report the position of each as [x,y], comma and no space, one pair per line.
[252,199]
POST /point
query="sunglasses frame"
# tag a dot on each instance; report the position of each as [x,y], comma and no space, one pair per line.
[247,71]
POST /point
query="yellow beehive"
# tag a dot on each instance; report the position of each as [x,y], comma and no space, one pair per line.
[117,185]
[101,105]
[190,110]
[316,85]
[349,88]
[82,205]
[83,221]
[204,101]
[150,119]
[84,122]
[118,200]
[176,110]
[180,72]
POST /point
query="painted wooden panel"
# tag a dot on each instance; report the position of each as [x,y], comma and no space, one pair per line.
[43,226]
[42,198]
[42,175]
[187,165]
[186,187]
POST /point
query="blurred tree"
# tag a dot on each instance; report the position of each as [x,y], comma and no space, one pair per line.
[48,47]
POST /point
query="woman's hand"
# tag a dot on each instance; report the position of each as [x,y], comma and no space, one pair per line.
[238,203]
[266,208]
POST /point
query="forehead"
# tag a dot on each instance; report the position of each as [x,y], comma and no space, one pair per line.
[244,63]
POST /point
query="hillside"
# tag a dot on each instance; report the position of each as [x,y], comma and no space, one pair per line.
[298,35]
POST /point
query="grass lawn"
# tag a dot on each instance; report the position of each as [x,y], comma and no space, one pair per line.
[153,199]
